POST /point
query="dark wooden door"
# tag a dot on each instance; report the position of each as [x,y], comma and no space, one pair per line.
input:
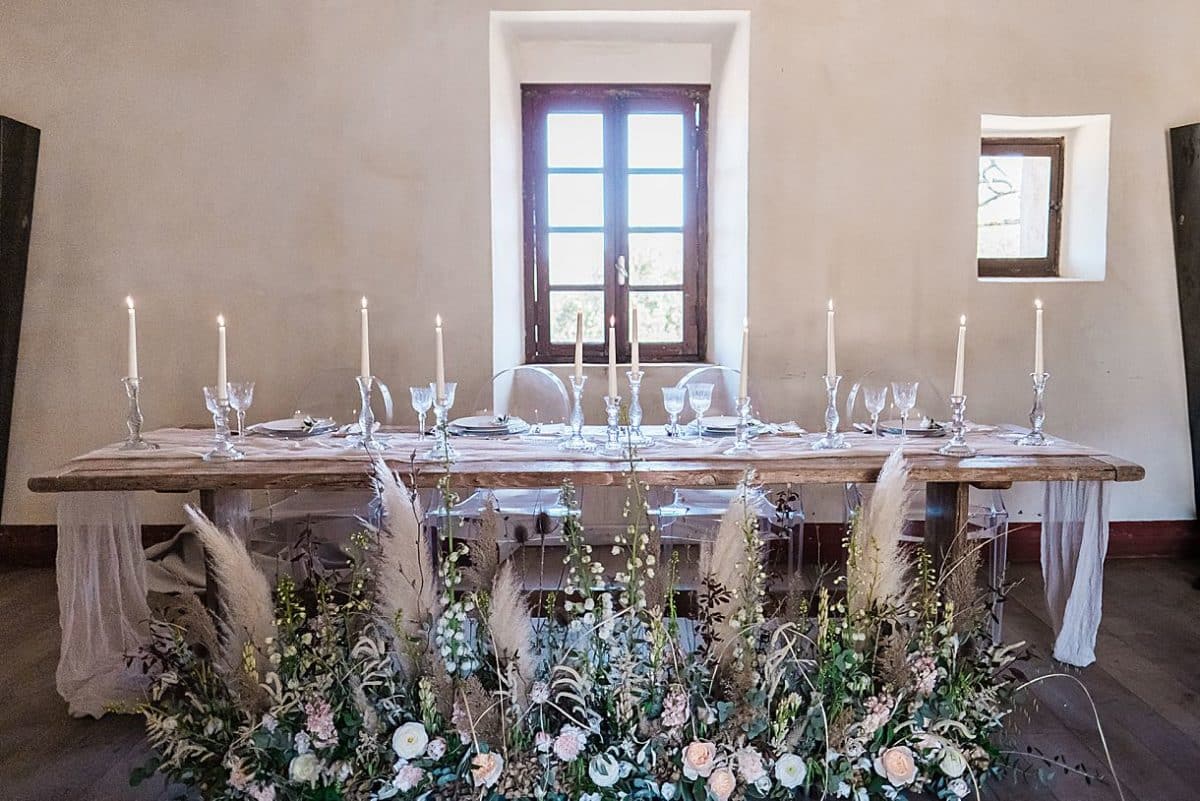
[1185,208]
[18,169]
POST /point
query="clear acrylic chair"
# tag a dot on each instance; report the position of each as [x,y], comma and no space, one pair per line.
[528,391]
[987,524]
[725,381]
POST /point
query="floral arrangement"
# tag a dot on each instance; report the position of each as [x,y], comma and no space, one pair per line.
[415,677]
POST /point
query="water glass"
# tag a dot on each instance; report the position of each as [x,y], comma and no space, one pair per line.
[241,396]
[673,398]
[904,395]
[422,402]
[875,398]
[700,399]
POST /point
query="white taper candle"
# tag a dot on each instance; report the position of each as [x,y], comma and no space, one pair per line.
[960,356]
[578,346]
[440,356]
[222,371]
[633,344]
[1039,362]
[830,351]
[744,383]
[612,357]
[364,348]
[132,367]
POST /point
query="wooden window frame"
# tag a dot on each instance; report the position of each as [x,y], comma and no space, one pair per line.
[1048,266]
[616,101]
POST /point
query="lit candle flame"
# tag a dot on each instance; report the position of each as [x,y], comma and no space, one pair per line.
[612,321]
[129,302]
[437,320]
[364,301]
[831,304]
[220,321]
[1037,304]
[962,320]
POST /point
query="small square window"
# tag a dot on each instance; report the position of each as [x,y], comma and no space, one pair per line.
[1020,207]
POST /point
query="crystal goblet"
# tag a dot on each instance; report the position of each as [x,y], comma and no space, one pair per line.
[875,398]
[241,396]
[422,402]
[904,395]
[673,398]
[700,399]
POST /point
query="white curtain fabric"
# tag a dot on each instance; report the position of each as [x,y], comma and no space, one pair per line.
[101,600]
[1074,543]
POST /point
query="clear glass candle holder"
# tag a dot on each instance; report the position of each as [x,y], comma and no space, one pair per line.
[366,415]
[218,405]
[957,446]
[741,442]
[133,419]
[1037,415]
[636,437]
[442,450]
[575,440]
[613,446]
[832,441]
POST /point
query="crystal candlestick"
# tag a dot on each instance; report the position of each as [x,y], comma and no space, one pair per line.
[222,449]
[957,446]
[1037,415]
[741,442]
[442,450]
[366,417]
[133,422]
[636,437]
[575,440]
[612,433]
[832,441]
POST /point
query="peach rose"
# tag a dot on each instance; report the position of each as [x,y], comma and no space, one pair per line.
[897,765]
[721,784]
[699,759]
[486,768]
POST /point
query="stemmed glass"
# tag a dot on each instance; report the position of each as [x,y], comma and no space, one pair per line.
[700,399]
[904,395]
[422,402]
[241,396]
[673,402]
[875,398]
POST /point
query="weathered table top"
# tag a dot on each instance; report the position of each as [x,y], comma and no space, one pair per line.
[276,464]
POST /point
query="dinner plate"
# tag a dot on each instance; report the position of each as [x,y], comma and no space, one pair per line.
[295,428]
[930,428]
[487,426]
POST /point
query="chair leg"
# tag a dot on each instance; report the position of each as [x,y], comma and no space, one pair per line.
[999,565]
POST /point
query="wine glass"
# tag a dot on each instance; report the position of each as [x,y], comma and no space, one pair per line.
[700,398]
[422,402]
[875,398]
[451,386]
[673,403]
[904,395]
[241,396]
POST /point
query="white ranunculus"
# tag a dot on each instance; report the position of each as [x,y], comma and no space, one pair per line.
[897,765]
[486,769]
[952,763]
[410,740]
[305,768]
[790,771]
[604,770]
[699,759]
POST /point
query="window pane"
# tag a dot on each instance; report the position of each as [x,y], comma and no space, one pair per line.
[563,308]
[655,259]
[660,316]
[575,140]
[1014,207]
[656,140]
[655,200]
[576,258]
[576,199]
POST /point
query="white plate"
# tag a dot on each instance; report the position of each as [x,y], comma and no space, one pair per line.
[483,422]
[915,429]
[293,428]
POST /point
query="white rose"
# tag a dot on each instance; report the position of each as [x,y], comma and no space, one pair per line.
[305,769]
[486,769]
[790,771]
[721,784]
[699,759]
[952,763]
[959,788]
[897,765]
[604,770]
[410,740]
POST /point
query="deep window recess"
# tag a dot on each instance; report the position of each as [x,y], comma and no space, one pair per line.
[1020,207]
[616,199]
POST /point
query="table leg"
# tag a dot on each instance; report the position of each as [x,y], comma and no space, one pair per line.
[946,511]
[208,505]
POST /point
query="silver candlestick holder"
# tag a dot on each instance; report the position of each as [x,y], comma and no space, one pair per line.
[612,433]
[832,441]
[1037,415]
[741,442]
[223,449]
[636,437]
[133,422]
[957,446]
[575,440]
[443,402]
[366,417]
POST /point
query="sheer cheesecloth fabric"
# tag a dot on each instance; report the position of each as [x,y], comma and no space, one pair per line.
[1074,542]
[102,606]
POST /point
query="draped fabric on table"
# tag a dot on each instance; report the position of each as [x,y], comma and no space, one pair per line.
[1074,542]
[101,600]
